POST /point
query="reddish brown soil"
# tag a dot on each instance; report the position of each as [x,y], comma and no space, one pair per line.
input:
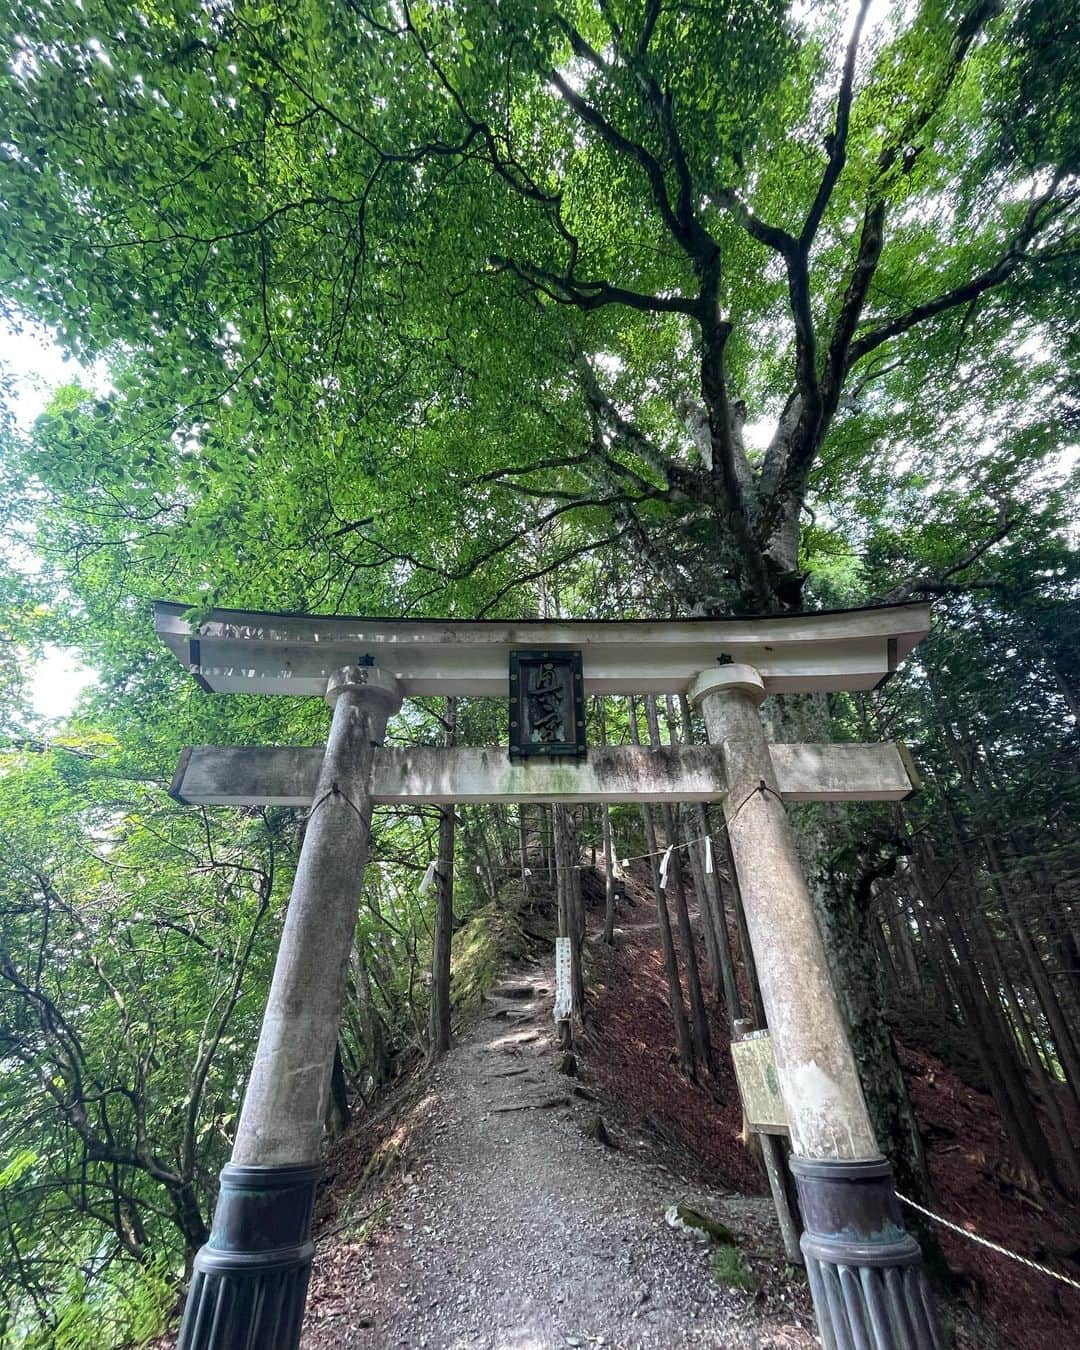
[629,1051]
[975,1187]
[631,1058]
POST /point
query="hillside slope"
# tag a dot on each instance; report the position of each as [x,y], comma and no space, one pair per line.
[629,1044]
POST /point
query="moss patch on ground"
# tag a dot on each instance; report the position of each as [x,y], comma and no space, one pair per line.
[730,1268]
[492,936]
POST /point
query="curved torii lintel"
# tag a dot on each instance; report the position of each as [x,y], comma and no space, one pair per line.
[237,651]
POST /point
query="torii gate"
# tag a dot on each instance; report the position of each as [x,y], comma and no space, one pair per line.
[250,1280]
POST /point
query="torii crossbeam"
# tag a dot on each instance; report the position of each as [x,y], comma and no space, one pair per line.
[250,1280]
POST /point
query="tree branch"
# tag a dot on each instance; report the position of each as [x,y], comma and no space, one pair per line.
[940,585]
[588,295]
[534,575]
[554,462]
[795,260]
[789,462]
[929,309]
[651,166]
[836,144]
[634,438]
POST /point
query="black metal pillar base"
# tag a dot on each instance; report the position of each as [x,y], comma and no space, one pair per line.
[250,1280]
[865,1271]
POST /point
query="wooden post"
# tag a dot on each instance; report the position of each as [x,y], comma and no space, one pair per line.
[772,1153]
[250,1280]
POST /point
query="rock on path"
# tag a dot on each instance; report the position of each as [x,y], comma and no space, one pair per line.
[513,1231]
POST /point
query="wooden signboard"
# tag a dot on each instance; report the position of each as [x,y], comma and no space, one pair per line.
[759,1086]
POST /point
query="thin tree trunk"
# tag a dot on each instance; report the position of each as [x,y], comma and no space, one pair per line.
[899,927]
[699,1018]
[609,851]
[884,951]
[683,1046]
[439,1019]
[998,1058]
[439,1014]
[715,898]
[609,879]
[745,948]
[717,947]
[337,1105]
[562,894]
[1068,1054]
[713,889]
[937,955]
[1005,988]
[708,923]
[576,910]
[523,849]
[378,1054]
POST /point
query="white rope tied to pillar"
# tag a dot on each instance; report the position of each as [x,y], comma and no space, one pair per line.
[665,862]
[708,854]
[515,868]
[986,1242]
[428,878]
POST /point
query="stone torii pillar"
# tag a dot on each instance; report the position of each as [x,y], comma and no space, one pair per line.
[250,1280]
[865,1271]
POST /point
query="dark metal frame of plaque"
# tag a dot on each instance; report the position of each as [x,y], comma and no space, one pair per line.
[568,684]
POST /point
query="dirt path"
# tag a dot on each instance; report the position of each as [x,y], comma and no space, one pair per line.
[512,1230]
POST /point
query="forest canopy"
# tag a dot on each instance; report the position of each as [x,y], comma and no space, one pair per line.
[619,308]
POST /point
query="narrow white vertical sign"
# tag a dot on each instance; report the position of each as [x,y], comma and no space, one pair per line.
[563,997]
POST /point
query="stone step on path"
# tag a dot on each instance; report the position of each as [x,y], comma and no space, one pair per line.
[516,1232]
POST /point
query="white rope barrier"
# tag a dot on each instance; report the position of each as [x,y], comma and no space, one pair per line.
[993,1246]
[515,868]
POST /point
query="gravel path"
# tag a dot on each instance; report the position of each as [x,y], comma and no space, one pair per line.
[513,1230]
